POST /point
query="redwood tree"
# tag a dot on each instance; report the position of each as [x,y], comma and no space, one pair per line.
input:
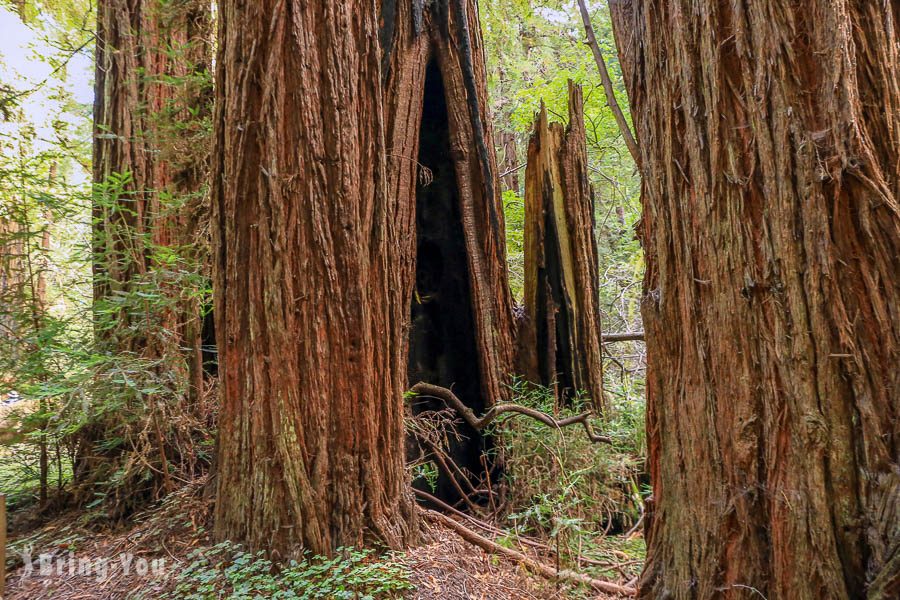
[451,291]
[149,102]
[769,138]
[311,423]
[12,279]
[152,95]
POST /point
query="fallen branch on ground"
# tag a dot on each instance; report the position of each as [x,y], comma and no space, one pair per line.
[520,539]
[441,393]
[541,569]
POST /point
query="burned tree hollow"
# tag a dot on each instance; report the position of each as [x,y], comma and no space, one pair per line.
[552,316]
[442,343]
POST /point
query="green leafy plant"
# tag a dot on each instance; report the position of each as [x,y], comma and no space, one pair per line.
[227,571]
[565,489]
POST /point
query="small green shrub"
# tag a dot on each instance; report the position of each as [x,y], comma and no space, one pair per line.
[227,571]
[565,489]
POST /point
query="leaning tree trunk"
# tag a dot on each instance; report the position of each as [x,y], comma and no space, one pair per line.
[311,423]
[559,334]
[452,281]
[769,133]
[149,163]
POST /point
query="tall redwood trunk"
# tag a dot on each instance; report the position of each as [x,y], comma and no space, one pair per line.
[452,280]
[509,163]
[559,335]
[769,133]
[311,424]
[149,167]
[147,122]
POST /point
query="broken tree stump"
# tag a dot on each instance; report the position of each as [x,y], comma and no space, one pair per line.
[560,336]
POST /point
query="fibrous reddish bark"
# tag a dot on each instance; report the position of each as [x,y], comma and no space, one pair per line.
[769,135]
[149,169]
[451,273]
[305,243]
[559,336]
[143,125]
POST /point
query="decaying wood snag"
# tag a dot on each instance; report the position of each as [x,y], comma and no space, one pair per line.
[769,135]
[449,284]
[311,447]
[559,339]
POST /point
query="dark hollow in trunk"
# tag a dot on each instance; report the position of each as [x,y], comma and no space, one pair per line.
[449,275]
[442,343]
[209,351]
[552,324]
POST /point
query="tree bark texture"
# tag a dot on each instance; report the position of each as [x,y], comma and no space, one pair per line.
[769,135]
[509,163]
[311,451]
[144,128]
[560,336]
[451,288]
[12,285]
[149,170]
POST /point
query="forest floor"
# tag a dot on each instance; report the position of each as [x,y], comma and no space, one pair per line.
[443,566]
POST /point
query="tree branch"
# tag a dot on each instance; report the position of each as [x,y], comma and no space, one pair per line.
[608,85]
[627,336]
[450,399]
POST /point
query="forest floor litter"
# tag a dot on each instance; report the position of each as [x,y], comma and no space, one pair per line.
[443,566]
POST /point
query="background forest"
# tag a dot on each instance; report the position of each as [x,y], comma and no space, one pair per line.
[67,379]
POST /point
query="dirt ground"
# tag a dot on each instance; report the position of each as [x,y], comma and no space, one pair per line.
[443,566]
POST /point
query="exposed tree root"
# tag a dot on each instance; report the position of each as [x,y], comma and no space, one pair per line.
[539,568]
[441,393]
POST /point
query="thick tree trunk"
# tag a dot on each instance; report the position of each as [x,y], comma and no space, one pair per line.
[311,424]
[143,129]
[149,171]
[452,281]
[769,133]
[559,336]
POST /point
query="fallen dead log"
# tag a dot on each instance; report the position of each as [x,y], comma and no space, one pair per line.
[543,570]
